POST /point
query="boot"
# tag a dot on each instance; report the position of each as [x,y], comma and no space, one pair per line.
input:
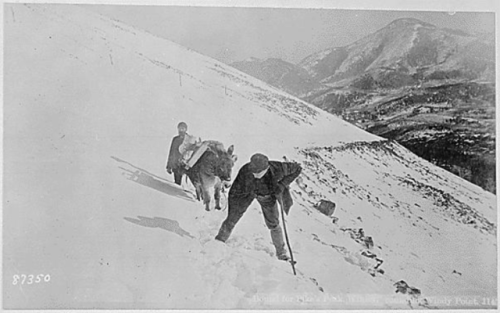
[279,244]
[224,231]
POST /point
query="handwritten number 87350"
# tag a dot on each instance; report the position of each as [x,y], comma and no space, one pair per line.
[30,279]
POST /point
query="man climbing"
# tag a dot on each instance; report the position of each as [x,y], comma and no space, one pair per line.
[267,181]
[174,156]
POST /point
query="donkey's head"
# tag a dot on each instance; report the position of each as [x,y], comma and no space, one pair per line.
[226,163]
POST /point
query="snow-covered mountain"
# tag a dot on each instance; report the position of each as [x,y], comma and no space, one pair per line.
[405,52]
[91,220]
[390,83]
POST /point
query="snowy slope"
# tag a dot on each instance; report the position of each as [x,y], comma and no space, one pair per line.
[283,75]
[90,108]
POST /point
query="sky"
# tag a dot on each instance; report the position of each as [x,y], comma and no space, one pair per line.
[231,34]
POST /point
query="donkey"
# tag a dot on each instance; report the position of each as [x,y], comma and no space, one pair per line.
[212,170]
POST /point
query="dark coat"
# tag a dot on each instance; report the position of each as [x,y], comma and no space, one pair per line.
[282,173]
[174,155]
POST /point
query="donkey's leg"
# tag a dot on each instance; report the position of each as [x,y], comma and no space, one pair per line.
[206,199]
[195,181]
[199,192]
[206,184]
[217,190]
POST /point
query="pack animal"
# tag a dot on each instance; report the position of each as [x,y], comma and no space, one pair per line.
[212,169]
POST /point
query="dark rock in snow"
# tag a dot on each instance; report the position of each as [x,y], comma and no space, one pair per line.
[404,288]
[326,207]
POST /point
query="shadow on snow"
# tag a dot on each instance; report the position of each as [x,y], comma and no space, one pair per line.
[160,222]
[147,179]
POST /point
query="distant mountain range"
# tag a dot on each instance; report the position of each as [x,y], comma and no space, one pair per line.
[388,81]
[407,52]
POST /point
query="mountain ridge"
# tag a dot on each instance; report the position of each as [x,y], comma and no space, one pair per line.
[390,80]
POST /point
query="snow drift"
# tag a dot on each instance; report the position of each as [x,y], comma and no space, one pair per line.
[90,107]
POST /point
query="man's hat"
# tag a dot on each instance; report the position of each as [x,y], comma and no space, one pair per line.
[258,163]
[182,124]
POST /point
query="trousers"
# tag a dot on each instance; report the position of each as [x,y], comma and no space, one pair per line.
[178,173]
[269,206]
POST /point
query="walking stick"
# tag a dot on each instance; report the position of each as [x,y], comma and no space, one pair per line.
[286,236]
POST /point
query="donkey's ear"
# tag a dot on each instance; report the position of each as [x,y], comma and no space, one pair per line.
[230,150]
[234,157]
